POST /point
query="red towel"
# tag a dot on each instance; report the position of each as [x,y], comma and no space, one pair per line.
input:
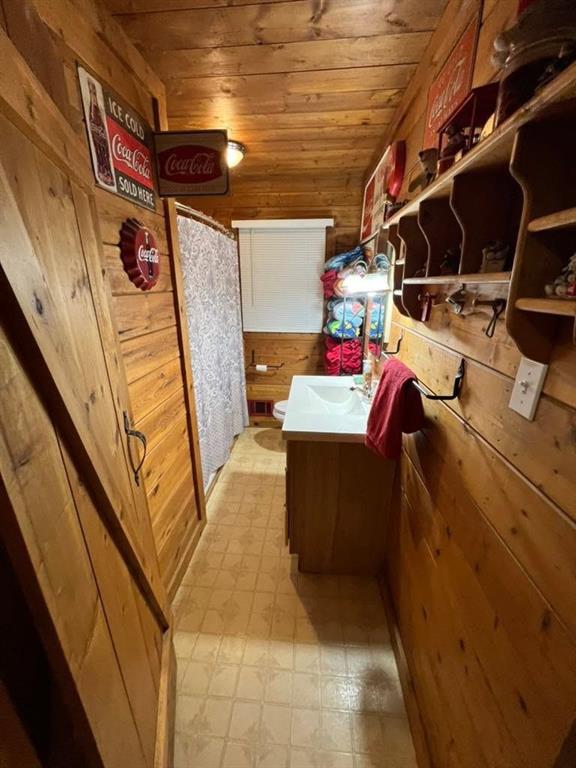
[397,408]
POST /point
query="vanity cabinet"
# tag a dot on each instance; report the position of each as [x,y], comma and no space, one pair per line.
[337,506]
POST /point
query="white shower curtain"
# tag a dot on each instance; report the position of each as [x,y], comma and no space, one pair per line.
[212,293]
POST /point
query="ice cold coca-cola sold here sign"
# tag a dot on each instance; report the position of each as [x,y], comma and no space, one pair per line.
[191,163]
[120,143]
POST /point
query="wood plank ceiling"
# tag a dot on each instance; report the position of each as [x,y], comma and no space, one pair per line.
[308,86]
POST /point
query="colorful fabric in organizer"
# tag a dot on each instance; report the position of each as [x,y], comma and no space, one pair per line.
[342,259]
[351,311]
[329,279]
[345,357]
[341,330]
[382,262]
[377,316]
[342,357]
[344,318]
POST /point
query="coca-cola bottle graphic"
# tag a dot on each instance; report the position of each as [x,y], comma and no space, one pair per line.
[99,139]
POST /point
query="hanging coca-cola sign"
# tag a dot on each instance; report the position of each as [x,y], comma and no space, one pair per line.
[139,254]
[120,143]
[191,163]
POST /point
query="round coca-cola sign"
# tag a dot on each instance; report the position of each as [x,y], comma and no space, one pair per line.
[189,164]
[139,254]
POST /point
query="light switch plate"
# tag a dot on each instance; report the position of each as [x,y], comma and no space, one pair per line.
[528,387]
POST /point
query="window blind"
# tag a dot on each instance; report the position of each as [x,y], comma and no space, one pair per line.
[280,268]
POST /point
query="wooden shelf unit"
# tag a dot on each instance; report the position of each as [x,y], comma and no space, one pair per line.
[475,279]
[516,186]
[548,306]
[554,221]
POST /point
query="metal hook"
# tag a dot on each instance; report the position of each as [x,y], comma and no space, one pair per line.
[397,350]
[498,306]
[457,386]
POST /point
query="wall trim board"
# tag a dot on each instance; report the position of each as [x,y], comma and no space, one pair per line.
[164,752]
[185,560]
[408,690]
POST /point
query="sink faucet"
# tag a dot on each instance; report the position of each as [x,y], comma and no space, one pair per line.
[365,390]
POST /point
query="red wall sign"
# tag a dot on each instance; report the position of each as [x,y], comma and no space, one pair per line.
[384,185]
[139,254]
[120,143]
[192,163]
[452,85]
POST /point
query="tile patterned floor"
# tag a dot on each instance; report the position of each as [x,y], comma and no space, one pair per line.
[278,669]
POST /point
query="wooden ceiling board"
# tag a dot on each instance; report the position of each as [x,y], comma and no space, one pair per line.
[227,118]
[293,104]
[310,86]
[277,23]
[118,7]
[291,57]
[284,83]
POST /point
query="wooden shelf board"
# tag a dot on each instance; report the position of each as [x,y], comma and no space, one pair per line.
[479,279]
[559,220]
[496,149]
[565,307]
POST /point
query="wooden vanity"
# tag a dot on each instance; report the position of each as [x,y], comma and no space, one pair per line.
[338,493]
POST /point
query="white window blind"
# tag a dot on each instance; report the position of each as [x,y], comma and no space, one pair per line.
[280,267]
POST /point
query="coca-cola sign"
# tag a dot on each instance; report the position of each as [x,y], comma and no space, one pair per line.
[120,143]
[192,163]
[128,155]
[452,84]
[139,254]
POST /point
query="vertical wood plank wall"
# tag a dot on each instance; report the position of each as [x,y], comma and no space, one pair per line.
[55,35]
[481,558]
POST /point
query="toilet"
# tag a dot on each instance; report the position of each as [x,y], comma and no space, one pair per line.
[279,411]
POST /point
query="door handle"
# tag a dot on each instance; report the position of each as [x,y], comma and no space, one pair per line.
[139,436]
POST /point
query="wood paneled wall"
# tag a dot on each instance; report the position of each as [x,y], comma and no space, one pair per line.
[300,354]
[482,552]
[53,36]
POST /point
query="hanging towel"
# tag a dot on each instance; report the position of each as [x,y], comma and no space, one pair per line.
[397,408]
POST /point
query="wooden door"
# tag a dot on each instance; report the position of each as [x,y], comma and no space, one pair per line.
[74,522]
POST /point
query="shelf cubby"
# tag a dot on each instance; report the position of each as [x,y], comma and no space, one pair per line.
[415,252]
[544,165]
[399,263]
[441,230]
[501,199]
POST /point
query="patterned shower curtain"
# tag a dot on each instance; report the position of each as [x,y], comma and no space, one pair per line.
[212,293]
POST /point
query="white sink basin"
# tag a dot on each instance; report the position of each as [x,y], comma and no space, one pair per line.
[325,408]
[329,399]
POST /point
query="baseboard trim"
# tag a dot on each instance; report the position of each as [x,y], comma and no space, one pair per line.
[185,560]
[406,681]
[164,752]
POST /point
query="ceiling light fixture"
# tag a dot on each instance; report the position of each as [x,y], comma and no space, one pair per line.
[235,153]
